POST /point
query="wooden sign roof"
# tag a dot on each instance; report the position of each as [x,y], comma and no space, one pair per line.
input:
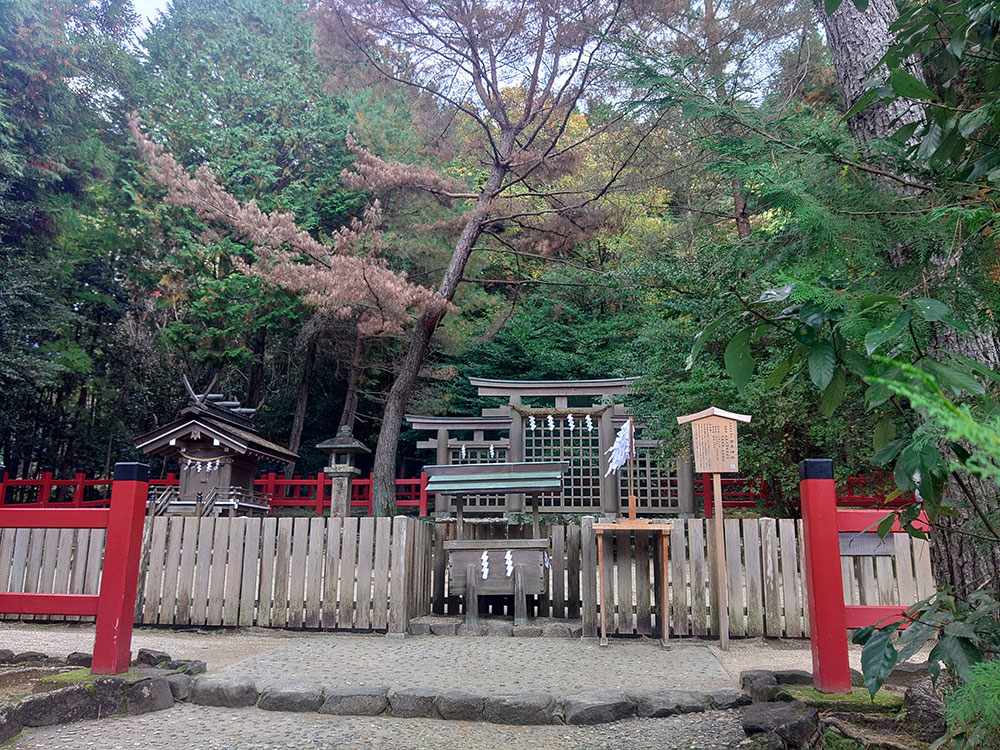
[713,412]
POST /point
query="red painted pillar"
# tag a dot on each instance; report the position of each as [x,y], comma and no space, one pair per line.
[706,493]
[3,482]
[423,493]
[824,585]
[80,479]
[320,479]
[45,490]
[120,579]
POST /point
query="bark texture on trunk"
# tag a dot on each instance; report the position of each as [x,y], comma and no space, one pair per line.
[299,420]
[384,468]
[857,42]
[350,409]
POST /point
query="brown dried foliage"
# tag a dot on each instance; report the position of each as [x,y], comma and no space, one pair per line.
[345,278]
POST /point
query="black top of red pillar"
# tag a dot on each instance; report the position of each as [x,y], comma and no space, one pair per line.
[816,468]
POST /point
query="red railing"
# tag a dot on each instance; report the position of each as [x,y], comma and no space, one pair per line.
[298,492]
[314,492]
[829,616]
[861,491]
[114,606]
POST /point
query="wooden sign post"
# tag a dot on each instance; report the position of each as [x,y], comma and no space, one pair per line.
[713,437]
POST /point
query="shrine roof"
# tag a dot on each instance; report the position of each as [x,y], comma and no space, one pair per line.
[496,478]
[237,439]
[598,387]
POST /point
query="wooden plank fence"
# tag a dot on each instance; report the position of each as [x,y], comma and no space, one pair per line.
[360,574]
[764,557]
[379,573]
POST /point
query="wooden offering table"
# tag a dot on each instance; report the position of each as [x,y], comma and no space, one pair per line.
[640,525]
[492,567]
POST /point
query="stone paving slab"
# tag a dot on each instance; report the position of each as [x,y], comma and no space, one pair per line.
[487,666]
[188,726]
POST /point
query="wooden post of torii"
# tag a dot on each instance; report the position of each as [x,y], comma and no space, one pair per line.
[713,438]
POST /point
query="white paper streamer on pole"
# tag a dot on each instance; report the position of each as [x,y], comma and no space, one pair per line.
[621,451]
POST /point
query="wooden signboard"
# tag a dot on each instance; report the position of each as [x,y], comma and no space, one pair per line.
[714,441]
[713,438]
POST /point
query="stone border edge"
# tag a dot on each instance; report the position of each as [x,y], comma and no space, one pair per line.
[529,708]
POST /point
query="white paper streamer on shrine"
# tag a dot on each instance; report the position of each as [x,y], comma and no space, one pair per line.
[493,452]
[551,422]
[485,564]
[531,422]
[509,561]
[589,422]
[571,422]
[462,452]
[621,451]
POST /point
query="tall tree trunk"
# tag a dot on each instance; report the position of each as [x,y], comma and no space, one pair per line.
[857,40]
[350,409]
[384,469]
[255,384]
[298,422]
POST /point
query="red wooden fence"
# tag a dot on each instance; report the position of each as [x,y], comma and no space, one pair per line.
[862,491]
[829,616]
[114,606]
[298,492]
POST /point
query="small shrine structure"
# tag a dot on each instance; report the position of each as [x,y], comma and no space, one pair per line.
[574,421]
[217,448]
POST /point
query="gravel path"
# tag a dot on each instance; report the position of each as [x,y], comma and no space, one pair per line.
[188,726]
[489,666]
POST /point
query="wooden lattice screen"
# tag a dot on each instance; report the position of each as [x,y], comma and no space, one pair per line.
[656,487]
[582,449]
[479,453]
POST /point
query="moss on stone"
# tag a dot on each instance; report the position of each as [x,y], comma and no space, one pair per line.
[857,700]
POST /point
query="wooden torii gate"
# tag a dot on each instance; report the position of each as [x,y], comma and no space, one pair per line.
[576,424]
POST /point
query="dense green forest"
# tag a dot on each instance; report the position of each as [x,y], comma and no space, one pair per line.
[346,211]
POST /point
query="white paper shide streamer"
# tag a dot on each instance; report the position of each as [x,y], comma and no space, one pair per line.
[621,451]
[509,562]
[485,564]
[551,422]
[589,422]
[532,425]
[571,422]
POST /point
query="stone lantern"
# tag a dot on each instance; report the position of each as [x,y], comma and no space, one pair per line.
[341,470]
